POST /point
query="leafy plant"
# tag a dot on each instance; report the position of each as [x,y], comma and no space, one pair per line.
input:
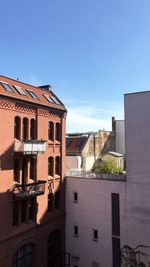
[108,166]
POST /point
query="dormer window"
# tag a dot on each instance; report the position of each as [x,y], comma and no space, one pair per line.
[56,101]
[32,94]
[19,90]
[7,87]
[49,98]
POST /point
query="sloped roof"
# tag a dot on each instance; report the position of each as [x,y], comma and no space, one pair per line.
[43,93]
[76,143]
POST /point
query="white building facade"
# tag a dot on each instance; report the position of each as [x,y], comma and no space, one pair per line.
[104,214]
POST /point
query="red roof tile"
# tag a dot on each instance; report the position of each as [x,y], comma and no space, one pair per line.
[39,91]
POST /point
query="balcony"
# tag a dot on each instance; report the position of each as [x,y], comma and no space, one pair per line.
[30,146]
[21,191]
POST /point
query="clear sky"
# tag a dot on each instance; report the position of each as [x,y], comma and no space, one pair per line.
[90,51]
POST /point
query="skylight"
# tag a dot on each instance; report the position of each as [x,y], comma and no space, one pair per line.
[31,93]
[55,99]
[49,98]
[7,87]
[19,90]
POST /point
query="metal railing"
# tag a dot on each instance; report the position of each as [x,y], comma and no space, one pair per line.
[29,190]
[94,175]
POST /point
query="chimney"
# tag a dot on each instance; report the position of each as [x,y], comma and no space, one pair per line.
[46,87]
[113,124]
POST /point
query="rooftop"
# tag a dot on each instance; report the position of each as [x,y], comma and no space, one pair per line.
[16,89]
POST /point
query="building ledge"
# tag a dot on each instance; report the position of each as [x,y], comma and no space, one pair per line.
[94,175]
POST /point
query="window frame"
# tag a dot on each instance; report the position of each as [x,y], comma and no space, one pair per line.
[76,231]
[75,197]
[7,87]
[95,235]
[32,94]
[19,90]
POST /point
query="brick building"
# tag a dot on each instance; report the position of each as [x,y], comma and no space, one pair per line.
[32,152]
[83,149]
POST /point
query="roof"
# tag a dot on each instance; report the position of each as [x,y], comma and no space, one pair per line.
[76,144]
[116,154]
[15,89]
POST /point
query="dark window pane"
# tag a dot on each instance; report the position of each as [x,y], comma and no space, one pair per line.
[57,166]
[57,200]
[17,125]
[50,202]
[115,214]
[116,252]
[51,131]
[15,213]
[51,166]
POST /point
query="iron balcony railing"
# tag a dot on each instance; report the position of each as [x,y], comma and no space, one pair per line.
[94,175]
[29,190]
[30,146]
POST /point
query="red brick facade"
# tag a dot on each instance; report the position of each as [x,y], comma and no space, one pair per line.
[29,214]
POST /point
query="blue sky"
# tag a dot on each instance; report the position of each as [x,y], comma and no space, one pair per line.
[90,51]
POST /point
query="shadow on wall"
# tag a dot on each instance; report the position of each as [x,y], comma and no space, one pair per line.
[28,209]
[109,143]
[6,158]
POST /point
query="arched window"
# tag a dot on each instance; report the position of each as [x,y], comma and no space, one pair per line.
[33,129]
[51,131]
[23,257]
[33,169]
[16,170]
[51,166]
[25,128]
[50,201]
[54,249]
[58,131]
[57,166]
[17,125]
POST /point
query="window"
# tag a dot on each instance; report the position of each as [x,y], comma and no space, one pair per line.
[7,87]
[23,257]
[75,230]
[49,98]
[51,131]
[50,202]
[115,214]
[15,212]
[19,90]
[54,249]
[55,99]
[95,234]
[32,94]
[51,166]
[58,131]
[75,197]
[17,127]
[116,252]
[23,211]
[25,128]
[32,208]
[57,200]
[16,170]
[57,166]
[33,169]
[33,129]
